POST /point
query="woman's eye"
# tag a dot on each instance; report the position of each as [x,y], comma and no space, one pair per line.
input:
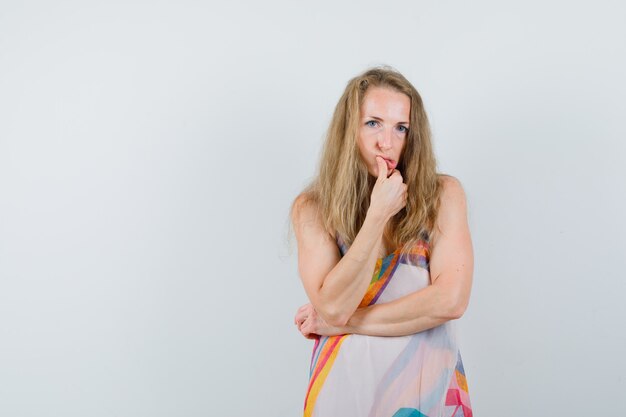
[370,121]
[404,129]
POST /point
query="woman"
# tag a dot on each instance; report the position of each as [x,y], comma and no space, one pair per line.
[386,259]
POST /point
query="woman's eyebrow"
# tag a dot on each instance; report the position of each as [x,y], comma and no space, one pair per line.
[378,118]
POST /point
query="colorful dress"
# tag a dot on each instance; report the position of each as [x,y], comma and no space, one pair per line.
[416,375]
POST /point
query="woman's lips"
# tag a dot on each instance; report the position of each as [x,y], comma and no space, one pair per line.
[391,164]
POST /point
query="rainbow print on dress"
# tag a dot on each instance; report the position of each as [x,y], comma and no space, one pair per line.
[418,375]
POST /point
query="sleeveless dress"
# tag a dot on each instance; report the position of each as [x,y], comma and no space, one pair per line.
[417,375]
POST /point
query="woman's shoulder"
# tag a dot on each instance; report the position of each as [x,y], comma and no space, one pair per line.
[452,208]
[451,187]
[308,223]
[306,208]
[303,199]
[448,180]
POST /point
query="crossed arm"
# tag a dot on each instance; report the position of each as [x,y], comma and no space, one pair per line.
[413,313]
[451,269]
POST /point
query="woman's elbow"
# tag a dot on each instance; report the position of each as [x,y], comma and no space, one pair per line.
[332,314]
[457,308]
[334,317]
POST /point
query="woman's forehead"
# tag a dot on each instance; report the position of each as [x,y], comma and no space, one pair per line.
[386,104]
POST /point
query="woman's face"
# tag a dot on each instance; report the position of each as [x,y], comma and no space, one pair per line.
[383,127]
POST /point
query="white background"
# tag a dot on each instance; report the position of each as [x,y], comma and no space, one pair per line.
[149,152]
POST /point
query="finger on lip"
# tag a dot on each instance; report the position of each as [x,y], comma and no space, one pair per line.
[390,164]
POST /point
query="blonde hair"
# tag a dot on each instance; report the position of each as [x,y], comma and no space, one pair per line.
[341,190]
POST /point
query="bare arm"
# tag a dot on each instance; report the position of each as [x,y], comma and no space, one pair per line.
[451,269]
[413,313]
[335,285]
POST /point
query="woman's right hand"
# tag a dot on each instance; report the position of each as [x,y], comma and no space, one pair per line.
[389,194]
[312,326]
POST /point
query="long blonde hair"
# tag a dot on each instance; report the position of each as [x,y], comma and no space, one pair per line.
[341,190]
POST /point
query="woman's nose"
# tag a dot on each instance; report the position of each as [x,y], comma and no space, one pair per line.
[384,140]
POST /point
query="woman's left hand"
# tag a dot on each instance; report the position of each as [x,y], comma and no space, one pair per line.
[312,326]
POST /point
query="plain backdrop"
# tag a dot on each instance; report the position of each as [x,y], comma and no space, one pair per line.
[149,153]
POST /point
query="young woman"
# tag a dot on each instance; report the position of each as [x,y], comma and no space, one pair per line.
[386,260]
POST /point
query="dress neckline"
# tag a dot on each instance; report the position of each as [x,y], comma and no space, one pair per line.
[390,255]
[344,248]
